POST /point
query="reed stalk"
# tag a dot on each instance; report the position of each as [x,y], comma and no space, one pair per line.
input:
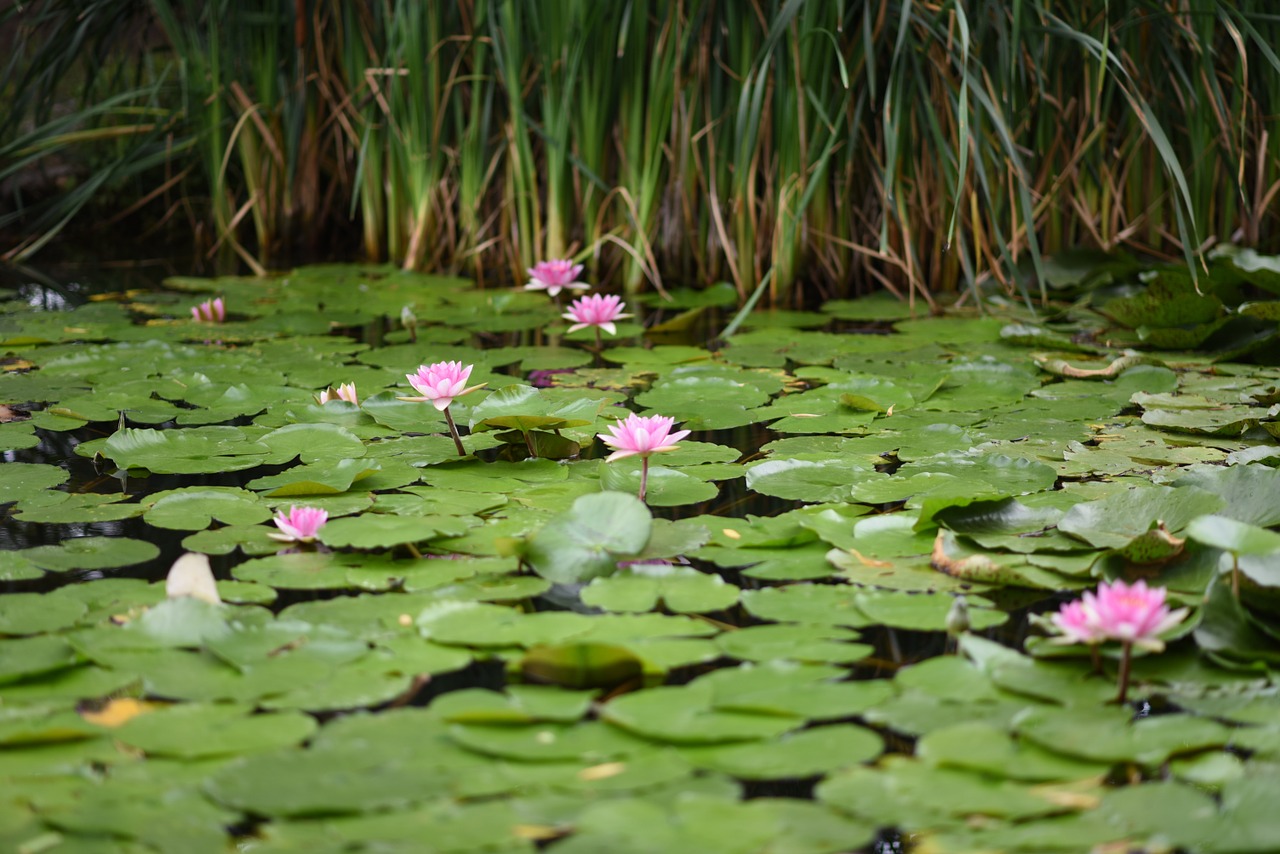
[520,205]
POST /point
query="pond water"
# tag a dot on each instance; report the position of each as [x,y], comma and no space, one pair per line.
[507,652]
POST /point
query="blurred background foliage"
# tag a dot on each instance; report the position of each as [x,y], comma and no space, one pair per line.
[806,148]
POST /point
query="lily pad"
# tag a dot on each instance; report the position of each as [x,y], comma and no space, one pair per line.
[192,451]
[1115,521]
[24,480]
[195,508]
[590,538]
[800,754]
[643,586]
[81,553]
[371,531]
[194,730]
[32,613]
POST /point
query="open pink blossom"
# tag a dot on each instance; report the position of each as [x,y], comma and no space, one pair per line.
[346,391]
[441,383]
[210,311]
[596,310]
[1134,614]
[642,437]
[637,436]
[300,525]
[554,276]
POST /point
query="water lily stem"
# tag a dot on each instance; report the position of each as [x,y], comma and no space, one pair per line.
[644,476]
[599,341]
[453,431]
[1126,654]
[1235,575]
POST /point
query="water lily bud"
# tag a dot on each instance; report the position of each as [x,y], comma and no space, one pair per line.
[409,321]
[958,617]
[192,576]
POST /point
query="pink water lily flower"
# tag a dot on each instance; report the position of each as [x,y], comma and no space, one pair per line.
[554,276]
[596,310]
[441,383]
[210,311]
[1134,614]
[346,391]
[642,436]
[300,525]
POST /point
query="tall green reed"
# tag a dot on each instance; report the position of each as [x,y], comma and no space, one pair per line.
[824,147]
[473,115]
[521,207]
[652,51]
[245,96]
[84,116]
[412,96]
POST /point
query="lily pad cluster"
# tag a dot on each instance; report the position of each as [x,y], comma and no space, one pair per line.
[507,651]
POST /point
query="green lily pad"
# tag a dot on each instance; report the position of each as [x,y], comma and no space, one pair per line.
[184,621]
[24,480]
[799,754]
[811,691]
[32,613]
[335,780]
[703,400]
[796,642]
[81,553]
[195,730]
[311,443]
[1239,538]
[81,508]
[1115,521]
[371,531]
[850,606]
[590,538]
[22,658]
[185,820]
[18,436]
[685,715]
[195,508]
[311,570]
[695,823]
[592,742]
[642,586]
[582,664]
[1106,735]
[666,487]
[808,480]
[1251,492]
[328,477]
[192,451]
[908,793]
